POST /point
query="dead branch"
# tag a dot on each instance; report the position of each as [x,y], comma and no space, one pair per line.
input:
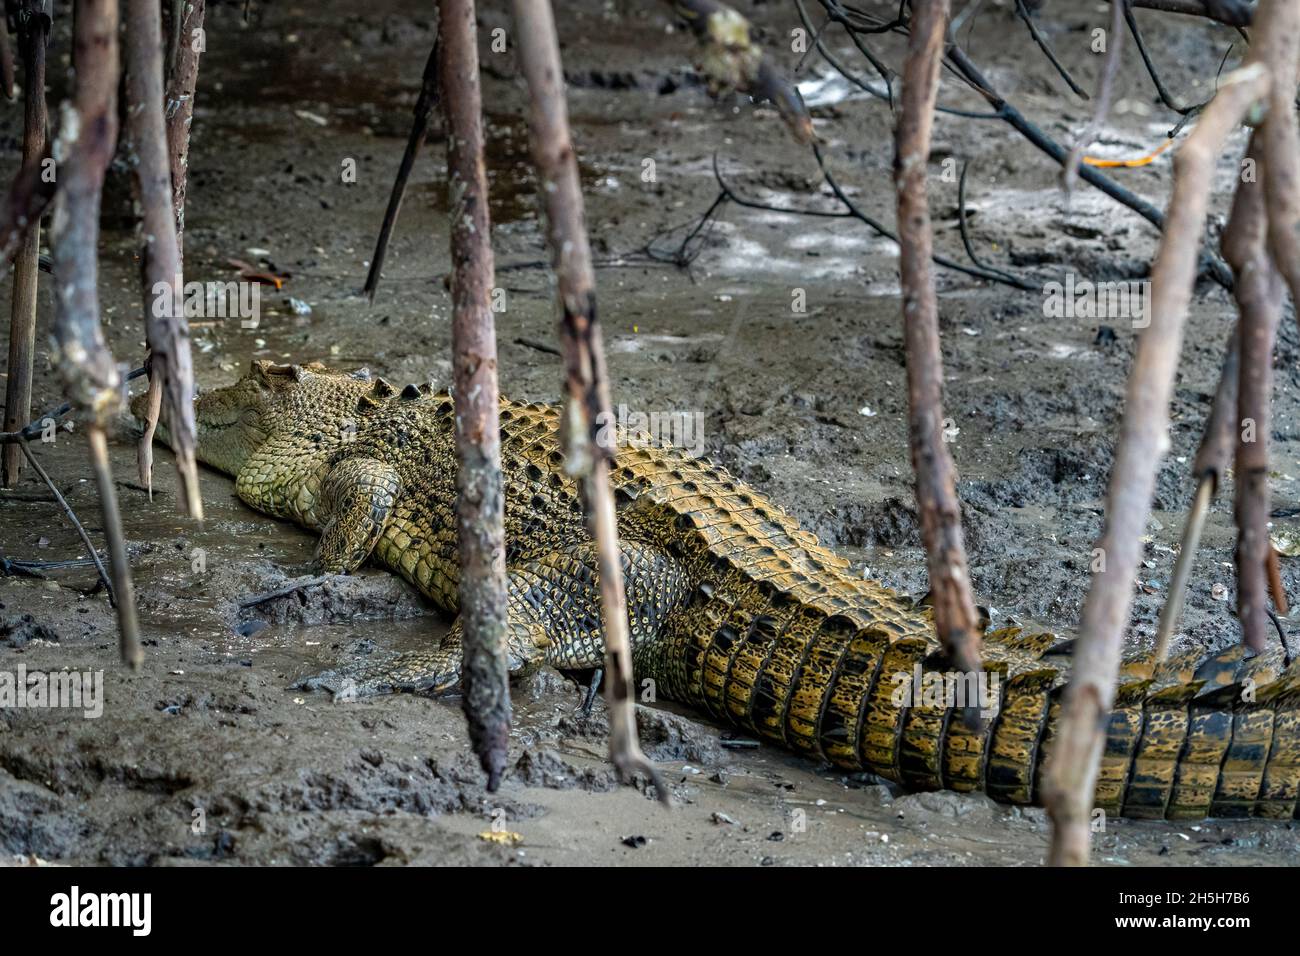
[1233,13]
[586,382]
[1041,42]
[425,104]
[1259,296]
[955,617]
[293,587]
[33,35]
[955,55]
[964,68]
[840,16]
[480,499]
[167,330]
[1073,761]
[1105,94]
[87,136]
[684,255]
[835,14]
[966,242]
[182,79]
[1165,96]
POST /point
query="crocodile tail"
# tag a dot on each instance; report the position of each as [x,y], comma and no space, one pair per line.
[1187,738]
[1203,736]
[1190,737]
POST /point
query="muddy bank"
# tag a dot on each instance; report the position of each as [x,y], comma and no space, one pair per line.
[207,757]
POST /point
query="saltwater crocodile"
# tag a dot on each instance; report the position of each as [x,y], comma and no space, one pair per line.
[733,608]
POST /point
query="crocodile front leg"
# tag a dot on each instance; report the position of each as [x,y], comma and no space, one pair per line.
[357,498]
[554,617]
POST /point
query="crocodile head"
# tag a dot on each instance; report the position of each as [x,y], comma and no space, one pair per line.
[271,401]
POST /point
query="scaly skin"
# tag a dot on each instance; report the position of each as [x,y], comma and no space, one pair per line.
[733,608]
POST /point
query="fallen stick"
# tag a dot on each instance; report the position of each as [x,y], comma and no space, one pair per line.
[586,389]
[292,588]
[480,498]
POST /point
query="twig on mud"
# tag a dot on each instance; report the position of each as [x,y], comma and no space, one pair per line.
[1075,756]
[538,346]
[1259,294]
[17,567]
[955,617]
[33,35]
[586,387]
[1048,52]
[76,523]
[480,498]
[87,136]
[1105,94]
[965,234]
[684,256]
[171,372]
[293,587]
[1161,90]
[425,104]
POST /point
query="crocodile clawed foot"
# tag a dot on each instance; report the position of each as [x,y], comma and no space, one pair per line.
[430,674]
